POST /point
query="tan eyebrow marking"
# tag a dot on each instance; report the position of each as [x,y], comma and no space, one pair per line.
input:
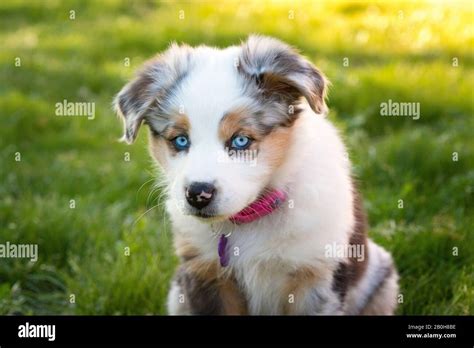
[179,125]
[238,121]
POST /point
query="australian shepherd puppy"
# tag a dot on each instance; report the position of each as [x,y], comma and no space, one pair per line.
[266,218]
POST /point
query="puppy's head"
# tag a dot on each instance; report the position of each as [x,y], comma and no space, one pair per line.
[220,120]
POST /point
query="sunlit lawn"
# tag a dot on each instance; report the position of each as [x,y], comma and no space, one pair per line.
[404,52]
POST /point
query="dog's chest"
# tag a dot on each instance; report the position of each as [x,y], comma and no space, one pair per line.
[264,286]
[274,270]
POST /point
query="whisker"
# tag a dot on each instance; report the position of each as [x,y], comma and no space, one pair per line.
[139,189]
[142,215]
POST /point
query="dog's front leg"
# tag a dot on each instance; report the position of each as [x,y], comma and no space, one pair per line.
[199,288]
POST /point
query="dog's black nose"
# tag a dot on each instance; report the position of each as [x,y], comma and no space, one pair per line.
[199,194]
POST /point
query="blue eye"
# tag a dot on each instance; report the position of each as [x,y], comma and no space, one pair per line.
[181,142]
[240,142]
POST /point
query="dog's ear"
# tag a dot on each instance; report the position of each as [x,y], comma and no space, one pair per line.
[280,71]
[143,96]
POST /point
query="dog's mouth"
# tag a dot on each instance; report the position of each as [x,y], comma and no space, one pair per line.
[207,216]
[266,202]
[203,215]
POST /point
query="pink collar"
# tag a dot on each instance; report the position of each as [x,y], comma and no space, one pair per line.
[261,207]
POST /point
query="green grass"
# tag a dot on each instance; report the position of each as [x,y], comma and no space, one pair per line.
[402,52]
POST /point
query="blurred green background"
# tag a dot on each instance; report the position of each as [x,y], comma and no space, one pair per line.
[408,52]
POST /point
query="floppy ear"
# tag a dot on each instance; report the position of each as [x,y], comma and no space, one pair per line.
[280,71]
[144,95]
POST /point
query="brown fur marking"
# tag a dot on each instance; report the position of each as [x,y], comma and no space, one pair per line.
[208,290]
[273,147]
[299,281]
[157,146]
[184,249]
[232,297]
[348,274]
[179,125]
[238,122]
